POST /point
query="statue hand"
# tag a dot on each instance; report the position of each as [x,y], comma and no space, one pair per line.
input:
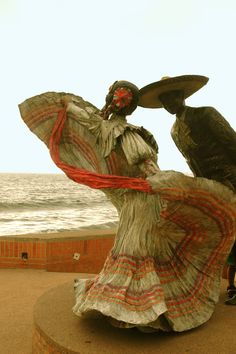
[65,100]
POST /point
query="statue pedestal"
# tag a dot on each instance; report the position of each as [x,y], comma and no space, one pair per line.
[58,330]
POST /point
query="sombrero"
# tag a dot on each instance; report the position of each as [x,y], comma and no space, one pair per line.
[149,95]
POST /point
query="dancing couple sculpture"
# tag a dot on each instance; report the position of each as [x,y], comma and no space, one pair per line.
[175,232]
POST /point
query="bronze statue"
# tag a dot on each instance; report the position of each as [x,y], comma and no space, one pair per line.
[203,136]
[164,269]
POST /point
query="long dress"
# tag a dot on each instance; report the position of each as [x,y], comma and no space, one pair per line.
[174,231]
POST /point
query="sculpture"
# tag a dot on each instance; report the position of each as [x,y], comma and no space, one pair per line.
[175,231]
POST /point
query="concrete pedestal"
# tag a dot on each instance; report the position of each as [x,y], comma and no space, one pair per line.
[58,330]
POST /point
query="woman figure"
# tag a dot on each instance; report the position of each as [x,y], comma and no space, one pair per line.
[174,233]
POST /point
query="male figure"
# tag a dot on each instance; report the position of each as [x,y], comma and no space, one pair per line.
[202,135]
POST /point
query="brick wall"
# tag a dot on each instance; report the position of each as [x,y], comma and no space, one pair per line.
[83,251]
[80,252]
[43,345]
[12,252]
[82,256]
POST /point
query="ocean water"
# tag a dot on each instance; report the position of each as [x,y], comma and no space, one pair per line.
[36,203]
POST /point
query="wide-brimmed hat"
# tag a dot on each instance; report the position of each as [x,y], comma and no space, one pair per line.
[149,95]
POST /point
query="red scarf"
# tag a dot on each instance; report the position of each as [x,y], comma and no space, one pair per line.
[91,179]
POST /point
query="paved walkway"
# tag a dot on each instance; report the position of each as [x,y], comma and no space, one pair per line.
[21,288]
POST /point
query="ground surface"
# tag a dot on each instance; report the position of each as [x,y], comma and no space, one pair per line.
[20,289]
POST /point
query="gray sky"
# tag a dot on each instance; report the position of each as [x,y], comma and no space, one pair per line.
[83,46]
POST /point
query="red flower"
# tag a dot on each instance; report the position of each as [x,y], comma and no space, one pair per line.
[122,98]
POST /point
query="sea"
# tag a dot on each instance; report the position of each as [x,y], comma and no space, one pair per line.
[45,203]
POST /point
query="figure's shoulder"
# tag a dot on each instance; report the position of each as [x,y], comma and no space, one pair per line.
[204,114]
[149,138]
[212,115]
[209,110]
[216,121]
[201,110]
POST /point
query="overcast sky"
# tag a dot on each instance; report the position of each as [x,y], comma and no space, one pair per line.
[82,46]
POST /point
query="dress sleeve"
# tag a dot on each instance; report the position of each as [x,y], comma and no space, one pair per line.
[138,152]
[86,117]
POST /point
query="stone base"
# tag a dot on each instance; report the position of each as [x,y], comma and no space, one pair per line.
[57,330]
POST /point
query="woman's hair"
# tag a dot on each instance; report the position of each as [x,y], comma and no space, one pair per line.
[122,98]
